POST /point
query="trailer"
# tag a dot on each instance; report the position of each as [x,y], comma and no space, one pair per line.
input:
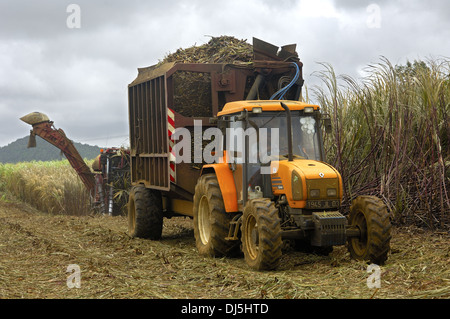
[154,116]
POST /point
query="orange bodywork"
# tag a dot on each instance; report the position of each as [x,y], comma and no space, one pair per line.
[310,173]
[266,105]
[226,183]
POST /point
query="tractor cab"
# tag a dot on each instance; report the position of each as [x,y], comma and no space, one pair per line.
[275,150]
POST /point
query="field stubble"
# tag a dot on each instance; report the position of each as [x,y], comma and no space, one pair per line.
[36,249]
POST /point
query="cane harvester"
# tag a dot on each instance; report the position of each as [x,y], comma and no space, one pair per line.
[110,169]
[242,201]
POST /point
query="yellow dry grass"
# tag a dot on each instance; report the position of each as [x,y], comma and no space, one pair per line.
[52,187]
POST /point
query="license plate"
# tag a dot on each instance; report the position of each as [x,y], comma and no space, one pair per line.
[321,204]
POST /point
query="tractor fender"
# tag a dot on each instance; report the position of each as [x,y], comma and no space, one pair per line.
[226,183]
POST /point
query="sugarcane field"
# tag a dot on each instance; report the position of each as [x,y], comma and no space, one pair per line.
[226,168]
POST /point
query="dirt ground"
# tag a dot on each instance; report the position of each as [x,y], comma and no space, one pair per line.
[36,250]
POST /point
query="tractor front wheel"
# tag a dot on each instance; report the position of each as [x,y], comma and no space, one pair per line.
[369,215]
[261,235]
[211,221]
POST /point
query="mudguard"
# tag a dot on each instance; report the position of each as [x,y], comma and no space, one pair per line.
[226,184]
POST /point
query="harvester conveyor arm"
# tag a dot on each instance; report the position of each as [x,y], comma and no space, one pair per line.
[57,137]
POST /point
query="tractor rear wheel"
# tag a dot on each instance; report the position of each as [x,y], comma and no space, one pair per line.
[211,221]
[370,216]
[145,214]
[261,235]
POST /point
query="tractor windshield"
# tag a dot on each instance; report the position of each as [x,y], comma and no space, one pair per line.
[273,141]
[266,136]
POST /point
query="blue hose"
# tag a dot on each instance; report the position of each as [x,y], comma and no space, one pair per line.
[280,93]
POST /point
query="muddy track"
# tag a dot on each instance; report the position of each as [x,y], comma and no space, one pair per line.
[36,249]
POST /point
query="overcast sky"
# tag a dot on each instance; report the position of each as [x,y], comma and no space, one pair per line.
[78,74]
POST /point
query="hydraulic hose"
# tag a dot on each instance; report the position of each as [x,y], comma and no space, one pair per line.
[279,95]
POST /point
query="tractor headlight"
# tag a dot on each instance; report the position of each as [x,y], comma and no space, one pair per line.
[331,192]
[314,193]
[297,187]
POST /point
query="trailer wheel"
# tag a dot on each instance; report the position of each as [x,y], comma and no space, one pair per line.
[261,235]
[211,221]
[145,216]
[369,214]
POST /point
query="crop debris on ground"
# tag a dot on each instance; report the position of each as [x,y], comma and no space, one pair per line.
[36,249]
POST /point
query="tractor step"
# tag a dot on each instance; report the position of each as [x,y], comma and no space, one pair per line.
[234,228]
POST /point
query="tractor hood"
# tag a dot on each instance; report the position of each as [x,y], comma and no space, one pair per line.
[296,179]
[314,169]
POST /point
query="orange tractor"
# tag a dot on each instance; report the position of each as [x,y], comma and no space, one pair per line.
[242,201]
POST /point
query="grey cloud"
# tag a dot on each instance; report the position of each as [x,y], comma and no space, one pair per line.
[359,4]
[80,76]
[47,18]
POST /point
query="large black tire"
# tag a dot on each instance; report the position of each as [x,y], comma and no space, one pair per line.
[370,215]
[261,235]
[211,221]
[145,215]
